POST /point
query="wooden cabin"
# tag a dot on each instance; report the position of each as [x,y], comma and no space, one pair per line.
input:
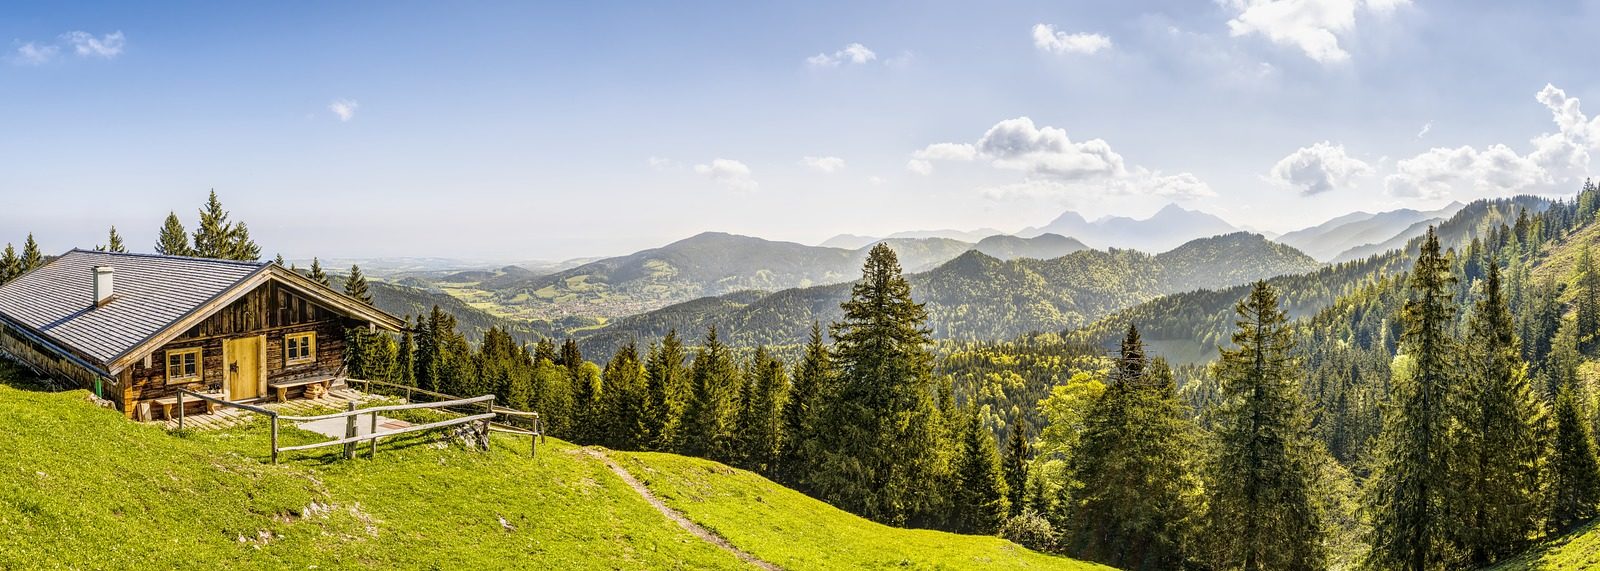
[134,328]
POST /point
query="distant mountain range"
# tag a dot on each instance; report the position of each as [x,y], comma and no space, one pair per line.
[978,296]
[1359,234]
[1166,229]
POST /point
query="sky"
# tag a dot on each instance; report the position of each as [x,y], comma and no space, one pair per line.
[546,131]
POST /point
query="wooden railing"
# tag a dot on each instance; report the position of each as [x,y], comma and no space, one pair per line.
[352,438]
[534,429]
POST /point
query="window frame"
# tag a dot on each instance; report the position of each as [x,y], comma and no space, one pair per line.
[179,378]
[307,344]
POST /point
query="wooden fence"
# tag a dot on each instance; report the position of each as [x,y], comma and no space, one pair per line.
[352,438]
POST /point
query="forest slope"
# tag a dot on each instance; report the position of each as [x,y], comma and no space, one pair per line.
[976,296]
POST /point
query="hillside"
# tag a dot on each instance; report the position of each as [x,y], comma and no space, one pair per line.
[1041,247]
[111,493]
[1578,549]
[976,296]
[403,300]
[707,264]
[1168,228]
[1328,240]
[1187,327]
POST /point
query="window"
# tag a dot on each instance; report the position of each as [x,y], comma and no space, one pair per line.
[183,365]
[299,348]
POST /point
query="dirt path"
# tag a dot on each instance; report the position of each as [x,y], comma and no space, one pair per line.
[676,516]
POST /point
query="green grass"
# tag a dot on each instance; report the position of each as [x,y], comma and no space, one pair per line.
[794,531]
[1579,549]
[82,488]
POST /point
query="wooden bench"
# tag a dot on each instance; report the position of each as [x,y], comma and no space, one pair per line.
[284,385]
[169,404]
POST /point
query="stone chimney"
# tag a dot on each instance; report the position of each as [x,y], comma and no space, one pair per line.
[103,285]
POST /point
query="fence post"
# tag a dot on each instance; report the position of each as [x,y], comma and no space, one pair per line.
[180,409]
[533,439]
[274,438]
[488,406]
[349,432]
[372,452]
[408,395]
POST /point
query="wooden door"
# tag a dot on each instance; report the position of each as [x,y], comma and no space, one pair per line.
[242,366]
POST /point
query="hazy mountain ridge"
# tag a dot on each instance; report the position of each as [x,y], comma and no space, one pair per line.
[1327,241]
[1168,228]
[977,296]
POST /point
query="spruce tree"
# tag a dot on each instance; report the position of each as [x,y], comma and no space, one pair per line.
[1016,465]
[760,428]
[708,423]
[1585,282]
[31,258]
[1139,501]
[552,397]
[173,240]
[545,350]
[1406,493]
[407,355]
[355,285]
[241,246]
[1497,438]
[317,275]
[625,403]
[811,389]
[213,238]
[113,243]
[669,388]
[879,453]
[10,265]
[980,502]
[1574,482]
[1263,512]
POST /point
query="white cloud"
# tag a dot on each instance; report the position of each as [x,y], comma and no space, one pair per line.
[1046,38]
[35,54]
[823,164]
[86,44]
[1436,173]
[659,163]
[1424,130]
[82,44]
[1557,158]
[1018,145]
[853,54]
[344,108]
[1317,169]
[1056,165]
[1313,26]
[730,173]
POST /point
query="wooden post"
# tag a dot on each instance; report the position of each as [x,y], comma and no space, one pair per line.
[372,451]
[488,407]
[408,396]
[180,409]
[533,439]
[274,439]
[350,431]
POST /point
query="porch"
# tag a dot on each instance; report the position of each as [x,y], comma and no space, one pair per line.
[336,399]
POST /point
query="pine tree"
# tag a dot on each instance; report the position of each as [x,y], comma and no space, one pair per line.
[585,393]
[1574,482]
[879,451]
[669,387]
[1140,498]
[708,423]
[1263,513]
[1016,466]
[760,428]
[545,350]
[406,361]
[812,388]
[552,390]
[1585,282]
[1406,494]
[317,275]
[1497,438]
[216,237]
[113,243]
[174,240]
[10,265]
[355,285]
[31,258]
[981,492]
[278,261]
[625,403]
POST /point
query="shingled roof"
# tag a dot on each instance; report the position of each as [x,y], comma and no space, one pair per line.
[152,293]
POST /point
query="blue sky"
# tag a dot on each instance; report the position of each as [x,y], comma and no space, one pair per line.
[546,131]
